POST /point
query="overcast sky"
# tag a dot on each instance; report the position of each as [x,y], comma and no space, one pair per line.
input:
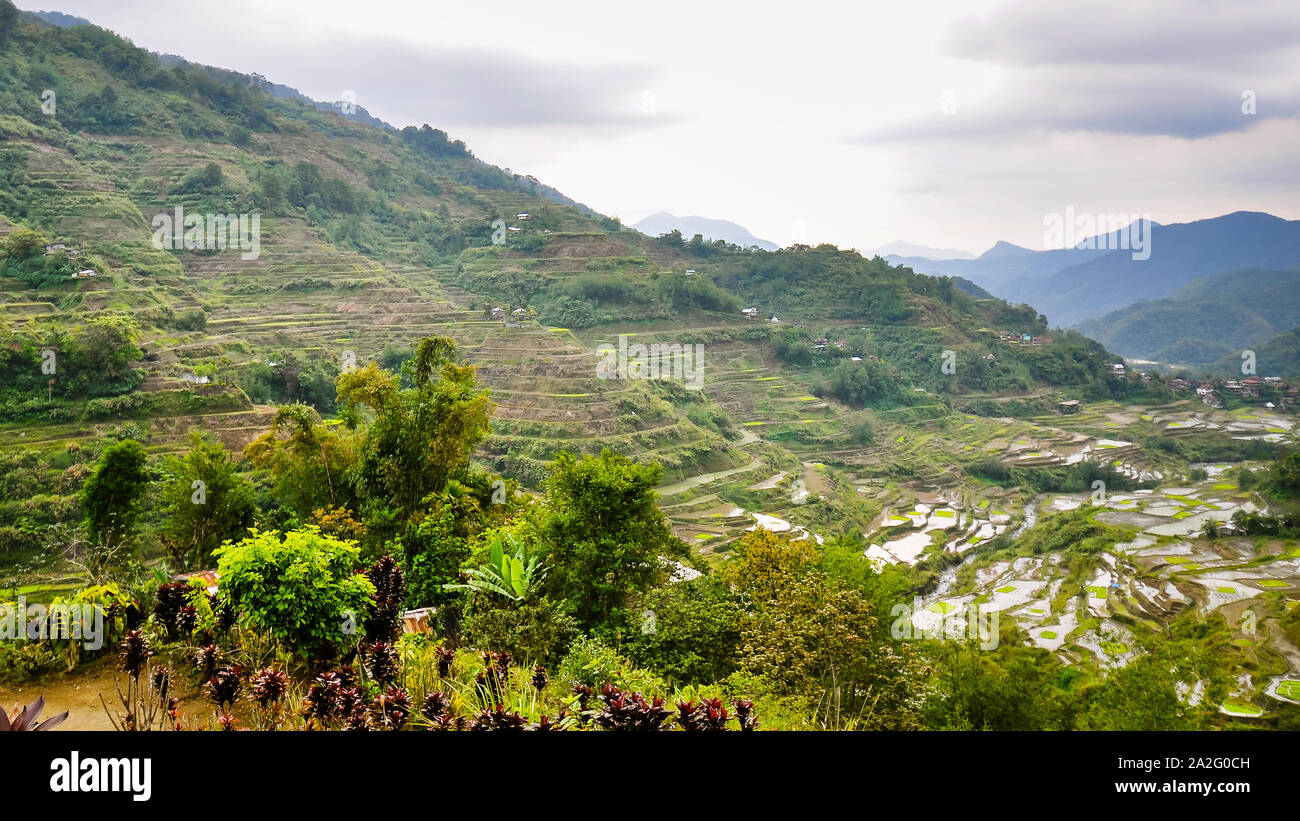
[949,124]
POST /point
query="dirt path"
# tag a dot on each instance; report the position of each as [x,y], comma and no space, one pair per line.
[77,692]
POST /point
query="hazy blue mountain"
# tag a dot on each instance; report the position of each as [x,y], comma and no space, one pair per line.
[58,18]
[1076,284]
[711,229]
[900,248]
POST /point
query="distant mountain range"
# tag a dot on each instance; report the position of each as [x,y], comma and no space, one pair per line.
[711,229]
[1076,284]
[900,248]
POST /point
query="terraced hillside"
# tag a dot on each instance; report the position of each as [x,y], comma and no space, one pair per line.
[833,397]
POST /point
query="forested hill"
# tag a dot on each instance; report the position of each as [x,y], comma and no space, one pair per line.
[1206,319]
[372,238]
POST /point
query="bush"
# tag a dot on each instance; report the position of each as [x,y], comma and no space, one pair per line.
[298,586]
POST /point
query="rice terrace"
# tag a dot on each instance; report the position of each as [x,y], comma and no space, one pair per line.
[311,422]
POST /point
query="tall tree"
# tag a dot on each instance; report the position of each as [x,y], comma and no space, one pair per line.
[207,501]
[421,437]
[112,495]
[602,534]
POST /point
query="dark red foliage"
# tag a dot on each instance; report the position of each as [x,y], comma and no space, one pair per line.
[446,661]
[207,658]
[134,651]
[708,715]
[162,680]
[745,715]
[499,719]
[390,592]
[185,620]
[168,601]
[382,661]
[269,686]
[630,711]
[392,708]
[223,687]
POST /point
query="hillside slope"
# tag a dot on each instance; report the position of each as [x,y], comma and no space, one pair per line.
[371,239]
[1206,319]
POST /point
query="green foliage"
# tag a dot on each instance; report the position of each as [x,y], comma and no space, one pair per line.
[1076,478]
[421,437]
[206,502]
[96,360]
[536,629]
[113,494]
[298,586]
[1012,688]
[511,571]
[602,534]
[309,466]
[689,631]
[432,557]
[1073,531]
[815,636]
[1144,694]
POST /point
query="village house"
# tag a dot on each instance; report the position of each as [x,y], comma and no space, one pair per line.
[820,343]
[749,313]
[498,313]
[1244,387]
[85,273]
[1068,406]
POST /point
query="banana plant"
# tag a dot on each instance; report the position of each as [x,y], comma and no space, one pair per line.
[510,575]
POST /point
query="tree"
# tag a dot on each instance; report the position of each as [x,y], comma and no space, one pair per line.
[21,243]
[310,463]
[817,637]
[690,631]
[432,556]
[8,20]
[1145,694]
[302,587]
[111,496]
[211,177]
[602,534]
[207,502]
[1013,688]
[421,437]
[763,562]
[103,354]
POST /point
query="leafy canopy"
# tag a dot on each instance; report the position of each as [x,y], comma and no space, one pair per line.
[299,586]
